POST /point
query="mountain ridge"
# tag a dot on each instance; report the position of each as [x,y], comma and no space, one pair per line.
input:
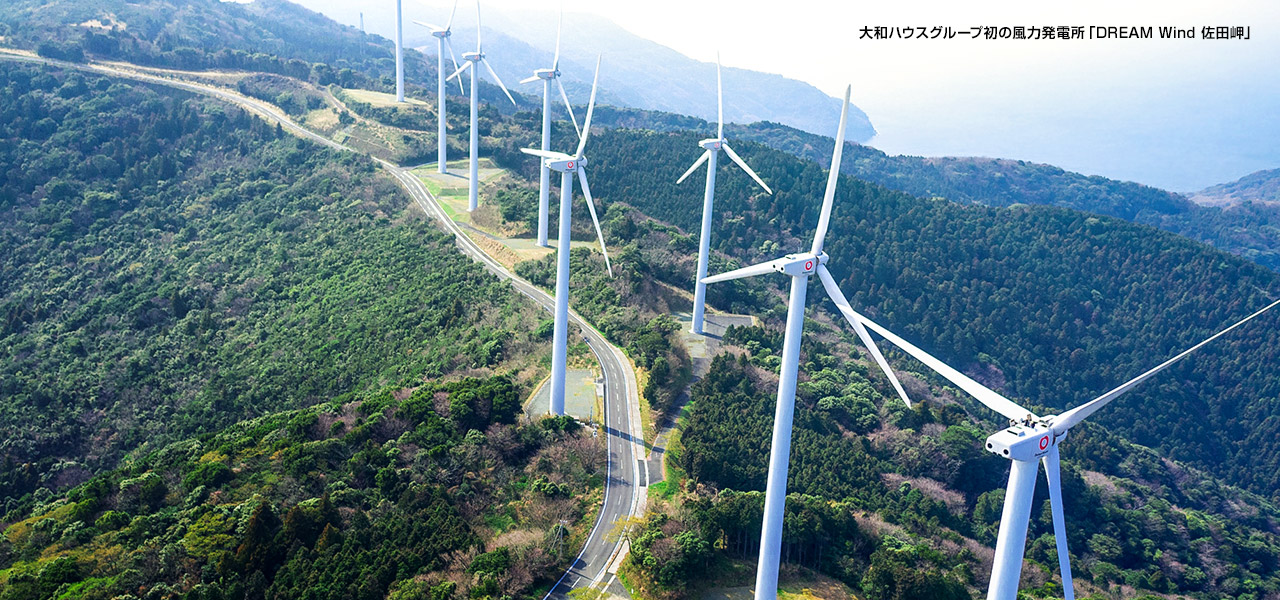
[1262,187]
[635,70]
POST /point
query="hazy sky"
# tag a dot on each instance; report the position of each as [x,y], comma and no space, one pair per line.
[1181,114]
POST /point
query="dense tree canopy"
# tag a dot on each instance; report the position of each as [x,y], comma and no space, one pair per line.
[172,267]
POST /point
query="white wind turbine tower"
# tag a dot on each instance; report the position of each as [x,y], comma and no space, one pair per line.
[547,76]
[568,165]
[713,147]
[442,35]
[399,51]
[471,59]
[1030,439]
[800,267]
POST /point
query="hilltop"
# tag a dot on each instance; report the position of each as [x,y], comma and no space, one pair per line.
[1262,187]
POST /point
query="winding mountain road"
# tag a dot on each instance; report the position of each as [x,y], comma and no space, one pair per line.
[626,472]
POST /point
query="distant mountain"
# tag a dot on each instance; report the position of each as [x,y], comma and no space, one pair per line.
[1262,187]
[638,73]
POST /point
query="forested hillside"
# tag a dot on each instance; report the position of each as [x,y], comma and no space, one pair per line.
[1262,187]
[901,503]
[272,36]
[1251,230]
[265,36]
[1051,305]
[366,496]
[174,266]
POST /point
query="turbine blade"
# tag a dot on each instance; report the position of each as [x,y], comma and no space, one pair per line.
[429,25]
[478,45]
[591,206]
[852,316]
[854,319]
[751,271]
[499,80]
[981,392]
[466,65]
[555,62]
[591,108]
[741,163]
[451,13]
[530,79]
[548,154]
[572,119]
[1082,412]
[453,56]
[824,221]
[1053,473]
[719,101]
[697,163]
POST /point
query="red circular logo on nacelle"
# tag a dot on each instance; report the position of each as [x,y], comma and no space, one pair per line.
[808,265]
[1044,442]
[570,164]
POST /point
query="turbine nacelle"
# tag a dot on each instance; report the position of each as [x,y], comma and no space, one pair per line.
[566,165]
[712,143]
[442,33]
[1026,443]
[546,73]
[796,265]
[558,161]
[473,56]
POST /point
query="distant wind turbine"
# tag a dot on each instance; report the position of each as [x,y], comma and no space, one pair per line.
[568,165]
[547,76]
[471,59]
[799,267]
[1030,440]
[713,146]
[442,42]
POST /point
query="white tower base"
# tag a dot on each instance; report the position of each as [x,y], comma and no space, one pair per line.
[399,52]
[1011,542]
[473,190]
[441,146]
[775,495]
[560,338]
[704,245]
[544,189]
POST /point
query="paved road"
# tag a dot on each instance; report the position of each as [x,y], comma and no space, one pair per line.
[626,475]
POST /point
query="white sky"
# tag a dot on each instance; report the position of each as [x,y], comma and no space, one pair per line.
[1181,114]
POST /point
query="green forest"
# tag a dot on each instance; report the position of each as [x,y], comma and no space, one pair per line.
[1093,295]
[174,267]
[242,367]
[365,496]
[1250,229]
[1050,305]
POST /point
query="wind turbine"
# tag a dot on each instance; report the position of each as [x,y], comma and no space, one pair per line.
[442,35]
[399,52]
[713,147]
[800,267]
[567,165]
[471,59]
[547,76]
[1030,439]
